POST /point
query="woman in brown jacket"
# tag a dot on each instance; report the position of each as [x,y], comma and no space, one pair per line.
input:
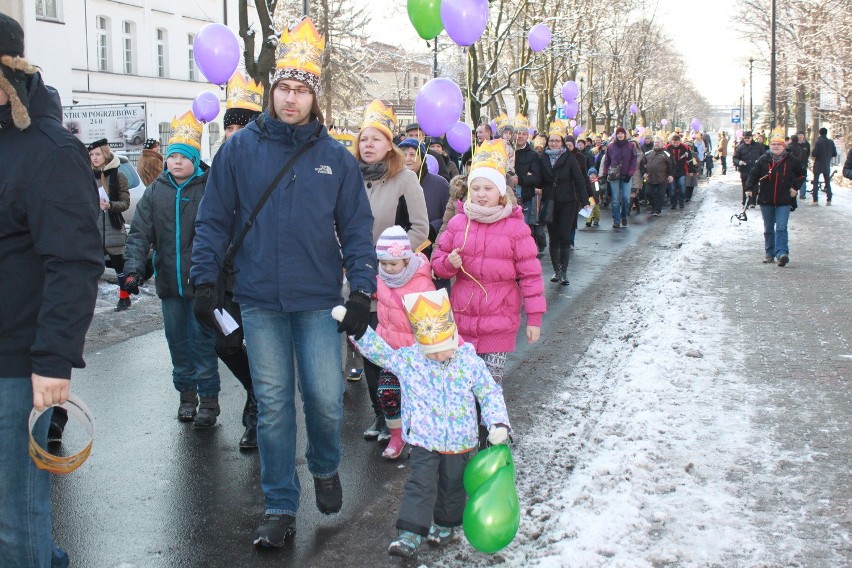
[114,200]
[396,198]
[150,164]
[722,150]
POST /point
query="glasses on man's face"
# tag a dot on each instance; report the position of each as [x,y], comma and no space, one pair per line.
[298,91]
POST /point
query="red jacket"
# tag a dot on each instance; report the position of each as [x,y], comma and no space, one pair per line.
[680,156]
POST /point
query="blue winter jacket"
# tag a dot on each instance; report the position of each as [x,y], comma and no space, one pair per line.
[315,223]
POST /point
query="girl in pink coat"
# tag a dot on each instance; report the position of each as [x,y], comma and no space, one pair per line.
[490,252]
[401,272]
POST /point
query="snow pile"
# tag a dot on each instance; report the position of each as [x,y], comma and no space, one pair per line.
[637,463]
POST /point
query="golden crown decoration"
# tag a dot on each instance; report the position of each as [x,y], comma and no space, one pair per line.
[491,154]
[521,122]
[379,116]
[345,137]
[186,129]
[432,320]
[777,135]
[501,121]
[299,54]
[557,128]
[244,93]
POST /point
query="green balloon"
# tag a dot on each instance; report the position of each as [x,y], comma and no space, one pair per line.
[492,516]
[425,16]
[485,464]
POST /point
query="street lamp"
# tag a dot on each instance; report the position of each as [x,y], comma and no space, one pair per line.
[742,107]
[750,95]
[772,73]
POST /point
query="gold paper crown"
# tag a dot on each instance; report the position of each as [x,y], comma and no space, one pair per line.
[521,122]
[557,128]
[777,134]
[345,137]
[491,154]
[186,129]
[299,54]
[432,321]
[501,120]
[379,116]
[243,93]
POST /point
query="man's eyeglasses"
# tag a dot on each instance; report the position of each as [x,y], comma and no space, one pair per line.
[298,91]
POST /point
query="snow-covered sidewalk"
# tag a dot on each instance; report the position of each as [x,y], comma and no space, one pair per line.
[646,458]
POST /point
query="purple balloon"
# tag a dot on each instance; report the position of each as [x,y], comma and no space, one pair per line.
[431,164]
[664,122]
[539,37]
[438,106]
[578,130]
[217,52]
[493,126]
[634,109]
[205,107]
[458,137]
[573,123]
[570,91]
[696,124]
[464,20]
[571,108]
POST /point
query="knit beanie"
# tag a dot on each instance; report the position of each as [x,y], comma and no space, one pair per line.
[622,130]
[393,244]
[185,150]
[571,139]
[241,116]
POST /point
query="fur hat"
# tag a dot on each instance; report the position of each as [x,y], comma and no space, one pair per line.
[393,244]
[14,70]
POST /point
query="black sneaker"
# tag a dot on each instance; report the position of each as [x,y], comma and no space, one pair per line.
[329,494]
[274,530]
[123,304]
[373,430]
[783,260]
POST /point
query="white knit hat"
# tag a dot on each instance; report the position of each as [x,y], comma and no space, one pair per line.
[393,244]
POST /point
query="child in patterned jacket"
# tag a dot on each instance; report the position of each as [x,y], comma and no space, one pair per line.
[441,379]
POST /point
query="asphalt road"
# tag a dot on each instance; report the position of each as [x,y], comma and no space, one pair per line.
[156,493]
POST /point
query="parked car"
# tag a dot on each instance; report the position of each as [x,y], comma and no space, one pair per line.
[134,182]
[135,133]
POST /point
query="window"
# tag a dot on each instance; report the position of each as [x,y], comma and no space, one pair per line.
[165,133]
[190,39]
[48,9]
[102,43]
[128,43]
[213,133]
[162,53]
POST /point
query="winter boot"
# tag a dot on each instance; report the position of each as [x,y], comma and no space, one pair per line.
[123,304]
[373,430]
[329,494]
[186,410]
[274,530]
[384,434]
[208,410]
[439,536]
[395,446]
[563,277]
[249,439]
[557,271]
[406,545]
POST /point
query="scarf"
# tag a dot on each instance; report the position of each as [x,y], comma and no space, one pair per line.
[554,154]
[487,215]
[404,277]
[373,172]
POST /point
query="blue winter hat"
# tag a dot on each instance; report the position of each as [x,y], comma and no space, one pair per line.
[185,150]
[592,171]
[413,143]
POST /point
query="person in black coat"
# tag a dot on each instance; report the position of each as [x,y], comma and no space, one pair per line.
[847,166]
[528,171]
[50,261]
[567,191]
[824,151]
[775,177]
[746,154]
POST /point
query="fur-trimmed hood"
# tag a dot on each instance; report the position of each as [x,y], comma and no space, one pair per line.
[15,77]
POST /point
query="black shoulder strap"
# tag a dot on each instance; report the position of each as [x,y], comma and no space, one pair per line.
[238,242]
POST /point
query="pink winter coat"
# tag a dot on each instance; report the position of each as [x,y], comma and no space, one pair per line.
[497,255]
[394,326]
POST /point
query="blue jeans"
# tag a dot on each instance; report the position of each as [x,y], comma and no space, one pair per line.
[25,507]
[678,191]
[803,191]
[276,343]
[620,200]
[192,347]
[775,229]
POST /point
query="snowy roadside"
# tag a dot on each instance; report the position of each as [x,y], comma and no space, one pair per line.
[637,463]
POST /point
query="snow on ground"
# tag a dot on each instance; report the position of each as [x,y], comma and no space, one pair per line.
[636,463]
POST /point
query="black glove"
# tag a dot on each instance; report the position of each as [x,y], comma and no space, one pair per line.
[132,282]
[357,318]
[206,300]
[626,179]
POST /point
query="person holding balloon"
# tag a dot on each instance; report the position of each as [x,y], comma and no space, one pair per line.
[441,380]
[489,250]
[396,198]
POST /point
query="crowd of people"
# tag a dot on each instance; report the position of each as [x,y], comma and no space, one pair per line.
[295,240]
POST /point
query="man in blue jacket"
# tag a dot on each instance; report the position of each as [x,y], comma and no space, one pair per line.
[50,261]
[288,274]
